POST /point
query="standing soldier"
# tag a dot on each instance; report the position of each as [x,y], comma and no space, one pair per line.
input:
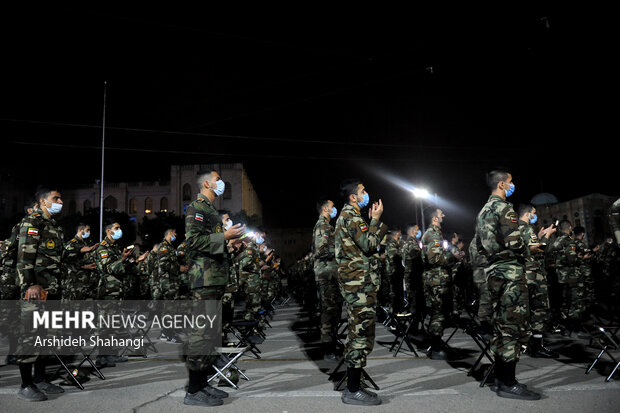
[38,264]
[228,300]
[169,270]
[356,244]
[498,228]
[207,256]
[81,281]
[584,257]
[436,280]
[456,256]
[393,271]
[410,253]
[569,279]
[184,278]
[248,262]
[536,278]
[326,276]
[479,263]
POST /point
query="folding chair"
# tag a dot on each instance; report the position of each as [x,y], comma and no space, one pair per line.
[139,332]
[403,324]
[242,330]
[231,355]
[606,340]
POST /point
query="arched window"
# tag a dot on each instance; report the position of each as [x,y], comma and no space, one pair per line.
[110,202]
[163,205]
[133,206]
[187,192]
[228,191]
[87,205]
[148,205]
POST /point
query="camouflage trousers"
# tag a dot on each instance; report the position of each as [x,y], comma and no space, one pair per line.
[169,288]
[386,293]
[410,288]
[264,289]
[80,285]
[274,287]
[326,276]
[250,284]
[8,287]
[589,296]
[436,290]
[485,307]
[538,295]
[199,340]
[509,294]
[359,291]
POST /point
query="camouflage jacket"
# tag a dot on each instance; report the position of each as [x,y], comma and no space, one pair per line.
[323,241]
[73,257]
[167,264]
[8,273]
[498,228]
[112,269]
[356,241]
[410,251]
[39,253]
[207,253]
[533,262]
[432,248]
[248,260]
[9,255]
[477,254]
[79,283]
[393,258]
[565,250]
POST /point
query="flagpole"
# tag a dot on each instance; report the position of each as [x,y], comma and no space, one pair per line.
[105,85]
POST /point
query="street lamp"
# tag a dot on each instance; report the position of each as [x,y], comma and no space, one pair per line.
[421,194]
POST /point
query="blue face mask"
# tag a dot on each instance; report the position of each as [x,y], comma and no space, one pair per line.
[173,238]
[116,235]
[365,200]
[333,213]
[418,234]
[260,240]
[86,235]
[55,208]
[534,219]
[510,191]
[220,187]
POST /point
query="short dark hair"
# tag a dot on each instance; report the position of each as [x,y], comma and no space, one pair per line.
[109,226]
[564,225]
[409,226]
[579,230]
[523,209]
[495,176]
[432,213]
[82,226]
[168,231]
[223,212]
[320,204]
[42,192]
[348,187]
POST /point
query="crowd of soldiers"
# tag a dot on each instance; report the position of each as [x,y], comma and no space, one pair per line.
[39,264]
[518,280]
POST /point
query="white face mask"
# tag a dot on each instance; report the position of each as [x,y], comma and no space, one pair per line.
[55,208]
[85,235]
[220,186]
[228,224]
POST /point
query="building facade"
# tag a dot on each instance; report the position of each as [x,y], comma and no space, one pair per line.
[144,199]
[590,211]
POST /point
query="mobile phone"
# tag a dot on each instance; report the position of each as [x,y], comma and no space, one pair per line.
[130,247]
[556,223]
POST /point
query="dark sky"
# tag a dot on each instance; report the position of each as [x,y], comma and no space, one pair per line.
[305,98]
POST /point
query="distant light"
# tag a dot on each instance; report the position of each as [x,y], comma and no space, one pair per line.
[147,211]
[421,193]
[445,244]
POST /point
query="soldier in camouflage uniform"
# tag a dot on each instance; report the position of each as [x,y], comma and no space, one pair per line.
[565,252]
[248,262]
[207,257]
[326,277]
[393,270]
[436,280]
[39,273]
[228,299]
[168,273]
[498,229]
[536,278]
[584,257]
[356,244]
[184,278]
[410,253]
[81,281]
[479,262]
[455,259]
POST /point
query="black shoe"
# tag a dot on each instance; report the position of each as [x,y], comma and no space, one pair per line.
[31,394]
[359,398]
[164,337]
[201,398]
[49,388]
[210,390]
[516,391]
[331,357]
[11,359]
[176,340]
[544,352]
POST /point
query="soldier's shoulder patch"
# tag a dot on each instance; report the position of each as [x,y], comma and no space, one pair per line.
[33,231]
[325,236]
[103,243]
[512,217]
[250,252]
[533,236]
[363,226]
[164,249]
[36,214]
[104,253]
[199,217]
[437,243]
[50,244]
[218,229]
[73,240]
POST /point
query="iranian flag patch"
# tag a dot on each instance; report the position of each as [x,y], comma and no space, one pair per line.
[199,217]
[33,231]
[363,227]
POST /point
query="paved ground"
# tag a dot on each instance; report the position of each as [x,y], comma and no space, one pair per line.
[288,378]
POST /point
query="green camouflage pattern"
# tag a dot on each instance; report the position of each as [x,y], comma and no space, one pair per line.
[79,284]
[112,270]
[569,278]
[355,245]
[9,289]
[168,271]
[436,278]
[248,262]
[39,254]
[498,229]
[479,263]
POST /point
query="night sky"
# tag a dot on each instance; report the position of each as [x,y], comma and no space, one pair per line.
[308,97]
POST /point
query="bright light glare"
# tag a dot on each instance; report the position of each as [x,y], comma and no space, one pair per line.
[421,193]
